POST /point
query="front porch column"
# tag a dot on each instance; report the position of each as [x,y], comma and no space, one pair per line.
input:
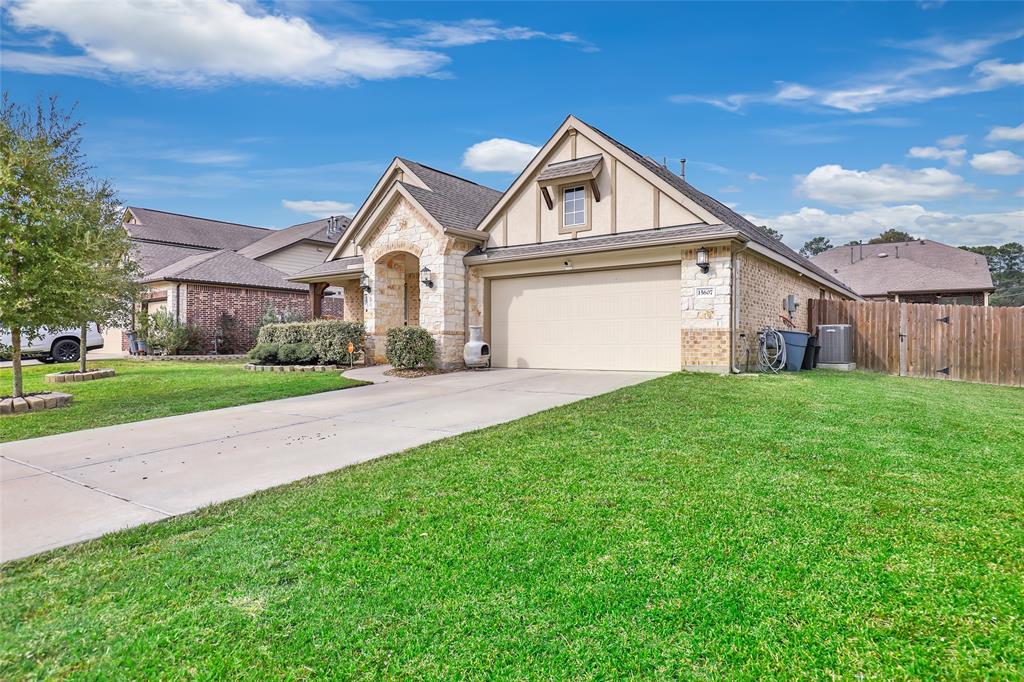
[316,299]
[353,301]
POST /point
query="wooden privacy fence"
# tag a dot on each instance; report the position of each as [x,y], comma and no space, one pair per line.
[956,342]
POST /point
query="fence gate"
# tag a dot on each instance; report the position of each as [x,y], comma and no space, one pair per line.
[954,342]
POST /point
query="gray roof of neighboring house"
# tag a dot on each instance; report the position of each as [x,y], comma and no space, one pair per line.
[722,212]
[916,266]
[451,201]
[224,267]
[622,240]
[341,266]
[185,230]
[315,230]
[152,256]
[565,169]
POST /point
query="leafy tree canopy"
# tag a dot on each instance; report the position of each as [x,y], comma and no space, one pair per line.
[892,235]
[812,247]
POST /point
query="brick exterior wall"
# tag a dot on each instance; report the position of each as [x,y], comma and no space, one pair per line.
[762,286]
[203,305]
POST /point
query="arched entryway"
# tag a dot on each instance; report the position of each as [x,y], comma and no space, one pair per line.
[396,291]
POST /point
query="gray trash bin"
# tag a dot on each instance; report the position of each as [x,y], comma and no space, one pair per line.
[796,346]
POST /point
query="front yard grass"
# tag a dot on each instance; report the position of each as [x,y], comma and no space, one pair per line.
[817,525]
[145,390]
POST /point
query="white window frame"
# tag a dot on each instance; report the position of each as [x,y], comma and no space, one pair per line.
[581,205]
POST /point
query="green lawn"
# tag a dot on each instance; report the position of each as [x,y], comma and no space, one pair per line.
[813,526]
[144,390]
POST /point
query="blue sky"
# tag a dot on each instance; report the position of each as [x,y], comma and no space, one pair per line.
[838,119]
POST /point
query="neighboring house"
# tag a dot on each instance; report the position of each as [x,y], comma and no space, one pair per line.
[199,269]
[594,258]
[921,271]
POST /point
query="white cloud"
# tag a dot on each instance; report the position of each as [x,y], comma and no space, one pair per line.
[918,80]
[319,208]
[971,229]
[475,31]
[994,73]
[204,157]
[837,185]
[730,189]
[199,42]
[1006,134]
[951,141]
[1001,162]
[953,157]
[754,177]
[499,155]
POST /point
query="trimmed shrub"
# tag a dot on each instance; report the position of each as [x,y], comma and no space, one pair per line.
[264,353]
[408,347]
[283,332]
[329,338]
[296,354]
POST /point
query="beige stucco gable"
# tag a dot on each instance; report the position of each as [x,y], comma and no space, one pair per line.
[628,196]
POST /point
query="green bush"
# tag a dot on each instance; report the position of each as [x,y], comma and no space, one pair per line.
[165,335]
[408,347]
[329,338]
[296,354]
[265,353]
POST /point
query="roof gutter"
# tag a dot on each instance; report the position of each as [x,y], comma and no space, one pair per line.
[574,247]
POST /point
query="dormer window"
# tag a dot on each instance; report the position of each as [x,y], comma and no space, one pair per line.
[574,207]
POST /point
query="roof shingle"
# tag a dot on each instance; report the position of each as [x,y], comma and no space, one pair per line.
[922,265]
[224,267]
[452,201]
[315,230]
[174,228]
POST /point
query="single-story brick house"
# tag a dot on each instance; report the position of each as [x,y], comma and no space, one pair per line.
[199,268]
[919,271]
[596,257]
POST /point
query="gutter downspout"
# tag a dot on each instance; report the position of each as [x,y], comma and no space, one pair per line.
[177,302]
[734,295]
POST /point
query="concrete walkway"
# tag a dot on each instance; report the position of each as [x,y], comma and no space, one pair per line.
[63,489]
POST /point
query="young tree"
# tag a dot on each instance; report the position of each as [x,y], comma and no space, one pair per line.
[812,247]
[773,233]
[45,190]
[108,273]
[890,236]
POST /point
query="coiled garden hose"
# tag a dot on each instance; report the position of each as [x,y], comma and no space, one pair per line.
[771,350]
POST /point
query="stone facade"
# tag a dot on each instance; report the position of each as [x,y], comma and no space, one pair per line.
[705,301]
[402,243]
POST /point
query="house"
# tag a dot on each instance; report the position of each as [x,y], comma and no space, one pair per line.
[920,271]
[596,257]
[199,268]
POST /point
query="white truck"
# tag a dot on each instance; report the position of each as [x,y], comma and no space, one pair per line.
[53,345]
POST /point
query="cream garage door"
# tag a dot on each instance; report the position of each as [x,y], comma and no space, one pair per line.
[611,319]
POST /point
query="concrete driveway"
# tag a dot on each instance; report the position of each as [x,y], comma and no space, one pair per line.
[62,489]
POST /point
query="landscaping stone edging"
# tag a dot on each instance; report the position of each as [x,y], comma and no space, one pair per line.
[67,377]
[249,367]
[188,358]
[10,407]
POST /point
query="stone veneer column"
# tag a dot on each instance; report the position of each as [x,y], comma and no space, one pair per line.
[704,336]
[353,300]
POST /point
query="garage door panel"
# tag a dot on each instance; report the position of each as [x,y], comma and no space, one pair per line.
[619,319]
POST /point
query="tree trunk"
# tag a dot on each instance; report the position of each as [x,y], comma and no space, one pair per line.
[16,361]
[82,339]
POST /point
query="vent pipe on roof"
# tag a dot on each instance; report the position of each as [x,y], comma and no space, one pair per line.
[682,168]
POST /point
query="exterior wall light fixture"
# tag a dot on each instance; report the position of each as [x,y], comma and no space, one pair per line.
[425,275]
[364,283]
[702,260]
